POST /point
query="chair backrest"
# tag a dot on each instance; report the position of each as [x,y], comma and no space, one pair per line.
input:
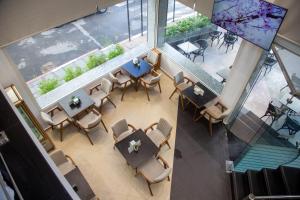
[165,173]
[120,127]
[178,78]
[152,57]
[164,127]
[155,79]
[94,121]
[58,157]
[47,118]
[106,85]
[113,78]
[225,114]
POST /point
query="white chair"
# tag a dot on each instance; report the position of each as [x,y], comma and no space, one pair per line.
[101,93]
[154,171]
[120,80]
[89,122]
[151,80]
[64,162]
[152,58]
[161,134]
[57,119]
[121,130]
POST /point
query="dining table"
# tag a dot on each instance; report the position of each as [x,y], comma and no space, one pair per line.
[187,47]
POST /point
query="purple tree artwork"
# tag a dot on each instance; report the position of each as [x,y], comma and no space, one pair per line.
[254,20]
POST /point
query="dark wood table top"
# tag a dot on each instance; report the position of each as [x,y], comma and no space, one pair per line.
[85,99]
[198,100]
[146,150]
[76,179]
[135,71]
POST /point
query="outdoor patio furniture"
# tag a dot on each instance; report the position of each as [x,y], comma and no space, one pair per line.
[154,171]
[57,119]
[270,61]
[187,48]
[215,113]
[292,124]
[89,122]
[101,93]
[161,134]
[229,40]
[200,52]
[215,35]
[64,162]
[121,130]
[273,111]
[151,80]
[152,58]
[181,83]
[120,80]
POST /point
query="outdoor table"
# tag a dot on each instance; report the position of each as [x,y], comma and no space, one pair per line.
[86,103]
[146,151]
[197,100]
[187,47]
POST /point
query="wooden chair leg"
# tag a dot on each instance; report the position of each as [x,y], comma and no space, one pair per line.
[104,125]
[61,131]
[168,178]
[148,183]
[87,134]
[168,144]
[173,93]
[182,103]
[124,90]
[146,90]
[210,126]
[159,87]
[111,102]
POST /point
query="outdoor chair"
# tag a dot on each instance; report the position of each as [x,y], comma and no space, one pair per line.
[181,83]
[57,119]
[291,125]
[215,113]
[64,163]
[273,111]
[161,134]
[200,52]
[154,171]
[151,80]
[152,58]
[101,93]
[270,61]
[120,80]
[229,40]
[89,122]
[215,35]
[121,130]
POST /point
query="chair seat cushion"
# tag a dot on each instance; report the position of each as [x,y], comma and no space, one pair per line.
[66,167]
[97,96]
[156,136]
[154,171]
[59,117]
[122,78]
[214,111]
[182,86]
[123,135]
[89,120]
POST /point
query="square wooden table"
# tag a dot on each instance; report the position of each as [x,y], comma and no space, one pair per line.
[76,179]
[187,47]
[86,102]
[197,100]
[146,151]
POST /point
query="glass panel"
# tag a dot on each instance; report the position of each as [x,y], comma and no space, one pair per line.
[27,119]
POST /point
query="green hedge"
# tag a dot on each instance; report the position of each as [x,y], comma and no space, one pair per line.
[72,72]
[187,25]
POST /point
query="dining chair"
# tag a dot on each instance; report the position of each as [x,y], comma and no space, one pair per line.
[229,40]
[292,125]
[64,163]
[273,111]
[215,35]
[152,58]
[215,113]
[121,130]
[181,83]
[200,52]
[89,122]
[120,80]
[151,80]
[269,62]
[154,171]
[57,119]
[161,134]
[101,93]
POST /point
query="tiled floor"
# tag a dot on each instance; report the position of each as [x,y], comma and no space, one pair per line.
[104,168]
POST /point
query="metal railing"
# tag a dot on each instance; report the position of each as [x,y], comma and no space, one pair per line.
[253,197]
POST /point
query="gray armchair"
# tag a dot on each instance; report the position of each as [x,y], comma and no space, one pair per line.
[64,162]
[57,119]
[101,93]
[161,134]
[120,80]
[151,80]
[121,130]
[154,171]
